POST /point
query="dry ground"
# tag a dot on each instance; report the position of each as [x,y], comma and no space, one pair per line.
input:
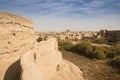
[92,69]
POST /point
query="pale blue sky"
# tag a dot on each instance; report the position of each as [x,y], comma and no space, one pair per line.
[60,15]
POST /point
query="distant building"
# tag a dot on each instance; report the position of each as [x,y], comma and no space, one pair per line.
[112,36]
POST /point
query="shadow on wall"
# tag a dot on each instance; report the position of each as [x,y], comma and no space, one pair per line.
[13,72]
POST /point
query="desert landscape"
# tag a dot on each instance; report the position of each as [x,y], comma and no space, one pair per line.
[29,55]
[59,39]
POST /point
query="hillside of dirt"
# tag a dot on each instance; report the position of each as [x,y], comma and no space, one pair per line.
[92,69]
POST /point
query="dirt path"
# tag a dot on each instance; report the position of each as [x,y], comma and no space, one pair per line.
[92,69]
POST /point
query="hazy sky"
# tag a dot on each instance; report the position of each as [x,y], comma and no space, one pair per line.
[59,15]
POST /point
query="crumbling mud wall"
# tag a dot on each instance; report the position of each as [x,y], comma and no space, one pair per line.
[23,57]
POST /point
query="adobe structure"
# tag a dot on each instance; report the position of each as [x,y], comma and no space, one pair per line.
[111,36]
[25,57]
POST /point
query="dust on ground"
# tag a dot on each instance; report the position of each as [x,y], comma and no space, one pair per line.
[92,69]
